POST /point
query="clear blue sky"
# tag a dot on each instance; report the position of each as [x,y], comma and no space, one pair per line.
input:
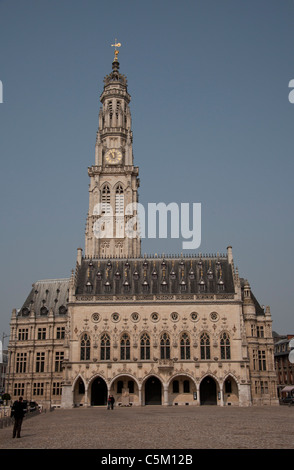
[212,123]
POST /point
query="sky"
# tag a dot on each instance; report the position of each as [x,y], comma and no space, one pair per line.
[211,118]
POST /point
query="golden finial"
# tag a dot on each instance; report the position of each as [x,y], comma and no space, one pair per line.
[116,52]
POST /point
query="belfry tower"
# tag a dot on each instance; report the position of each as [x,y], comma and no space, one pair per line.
[114,179]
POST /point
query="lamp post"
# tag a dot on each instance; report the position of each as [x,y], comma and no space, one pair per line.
[3,378]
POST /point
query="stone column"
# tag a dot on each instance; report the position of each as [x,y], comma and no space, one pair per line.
[165,395]
[221,392]
[140,395]
[66,397]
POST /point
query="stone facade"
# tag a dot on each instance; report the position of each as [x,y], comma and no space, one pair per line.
[164,330]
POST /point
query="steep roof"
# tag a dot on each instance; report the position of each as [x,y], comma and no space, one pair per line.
[155,275]
[45,296]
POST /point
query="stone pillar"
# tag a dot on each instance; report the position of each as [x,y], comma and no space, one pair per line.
[221,397]
[140,395]
[86,397]
[67,397]
[165,395]
[198,394]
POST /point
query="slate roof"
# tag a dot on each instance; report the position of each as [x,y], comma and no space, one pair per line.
[47,295]
[155,275]
[258,307]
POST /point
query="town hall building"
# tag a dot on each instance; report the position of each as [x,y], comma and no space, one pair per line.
[150,330]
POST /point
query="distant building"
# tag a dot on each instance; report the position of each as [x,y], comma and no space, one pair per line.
[165,330]
[284,369]
[3,368]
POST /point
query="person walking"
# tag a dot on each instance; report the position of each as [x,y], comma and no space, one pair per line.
[110,402]
[18,414]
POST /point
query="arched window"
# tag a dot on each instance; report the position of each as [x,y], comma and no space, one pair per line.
[175,386]
[164,346]
[131,385]
[186,386]
[105,347]
[85,347]
[204,346]
[125,347]
[105,200]
[185,346]
[225,347]
[119,200]
[145,347]
[81,387]
[120,385]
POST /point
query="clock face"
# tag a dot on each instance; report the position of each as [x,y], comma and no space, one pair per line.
[113,156]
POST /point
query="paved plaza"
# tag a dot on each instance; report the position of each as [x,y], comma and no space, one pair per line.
[156,427]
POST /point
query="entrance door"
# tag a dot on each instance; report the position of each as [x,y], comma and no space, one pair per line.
[153,391]
[98,392]
[208,391]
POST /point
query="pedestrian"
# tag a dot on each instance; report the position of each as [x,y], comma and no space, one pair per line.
[110,402]
[18,414]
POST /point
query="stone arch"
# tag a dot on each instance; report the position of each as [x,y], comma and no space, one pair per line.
[182,389]
[152,388]
[209,389]
[98,390]
[126,389]
[230,388]
[79,393]
[119,184]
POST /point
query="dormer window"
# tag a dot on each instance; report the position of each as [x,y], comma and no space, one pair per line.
[44,310]
[89,287]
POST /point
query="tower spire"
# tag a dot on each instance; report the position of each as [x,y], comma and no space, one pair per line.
[116,52]
[114,179]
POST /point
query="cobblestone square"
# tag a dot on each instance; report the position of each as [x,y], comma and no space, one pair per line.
[156,427]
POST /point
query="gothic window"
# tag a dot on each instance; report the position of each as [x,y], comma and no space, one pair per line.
[164,346]
[185,346]
[85,347]
[125,347]
[117,108]
[228,386]
[186,386]
[145,347]
[225,347]
[110,109]
[120,385]
[119,200]
[81,387]
[105,347]
[131,386]
[205,346]
[105,200]
[175,386]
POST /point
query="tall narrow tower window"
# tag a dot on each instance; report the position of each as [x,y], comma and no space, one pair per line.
[125,347]
[164,346]
[105,199]
[110,109]
[119,200]
[85,347]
